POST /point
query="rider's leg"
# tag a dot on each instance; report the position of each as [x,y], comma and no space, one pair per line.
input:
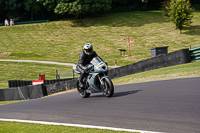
[81,80]
[81,76]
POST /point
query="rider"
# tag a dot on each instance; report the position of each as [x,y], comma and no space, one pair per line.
[85,57]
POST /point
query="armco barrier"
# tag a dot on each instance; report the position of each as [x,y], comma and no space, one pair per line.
[195,54]
[31,22]
[21,93]
[18,83]
[35,91]
[60,86]
[54,88]
[171,59]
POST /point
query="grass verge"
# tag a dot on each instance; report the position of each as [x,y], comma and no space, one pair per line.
[173,72]
[16,127]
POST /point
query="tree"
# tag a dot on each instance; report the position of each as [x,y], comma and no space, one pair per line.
[50,4]
[8,9]
[179,12]
[145,1]
[78,7]
[32,6]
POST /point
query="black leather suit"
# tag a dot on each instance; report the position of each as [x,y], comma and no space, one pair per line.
[84,59]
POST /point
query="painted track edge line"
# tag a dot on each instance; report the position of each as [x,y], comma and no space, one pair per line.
[77,125]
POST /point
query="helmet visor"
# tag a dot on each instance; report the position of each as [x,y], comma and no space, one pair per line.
[89,51]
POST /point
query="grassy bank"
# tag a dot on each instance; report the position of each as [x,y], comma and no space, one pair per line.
[62,41]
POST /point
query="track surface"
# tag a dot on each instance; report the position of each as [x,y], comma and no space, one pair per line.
[163,106]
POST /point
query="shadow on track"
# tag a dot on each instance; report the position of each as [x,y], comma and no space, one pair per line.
[119,94]
[125,93]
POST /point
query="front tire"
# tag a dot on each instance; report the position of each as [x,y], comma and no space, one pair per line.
[109,88]
[82,92]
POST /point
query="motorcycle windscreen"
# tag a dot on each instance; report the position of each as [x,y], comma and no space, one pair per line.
[96,60]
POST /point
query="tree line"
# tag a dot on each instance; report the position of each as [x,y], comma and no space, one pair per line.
[57,9]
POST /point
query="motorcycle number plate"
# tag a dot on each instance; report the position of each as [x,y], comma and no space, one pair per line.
[100,64]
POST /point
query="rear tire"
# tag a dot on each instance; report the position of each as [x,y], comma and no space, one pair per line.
[109,88]
[82,92]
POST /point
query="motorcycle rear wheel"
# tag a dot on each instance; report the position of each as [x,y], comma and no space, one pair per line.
[109,88]
[82,92]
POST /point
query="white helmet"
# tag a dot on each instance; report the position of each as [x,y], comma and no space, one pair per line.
[88,49]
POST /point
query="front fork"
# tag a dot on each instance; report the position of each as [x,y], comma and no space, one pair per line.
[101,81]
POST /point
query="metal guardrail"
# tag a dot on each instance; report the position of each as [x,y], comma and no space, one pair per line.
[195,54]
[27,22]
[31,22]
[18,83]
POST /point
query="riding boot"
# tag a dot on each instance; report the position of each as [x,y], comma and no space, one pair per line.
[81,81]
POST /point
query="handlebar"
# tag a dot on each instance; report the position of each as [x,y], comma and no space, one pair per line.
[89,68]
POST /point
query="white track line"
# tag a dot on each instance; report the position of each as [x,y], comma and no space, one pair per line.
[77,125]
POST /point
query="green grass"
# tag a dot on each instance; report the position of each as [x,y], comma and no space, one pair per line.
[173,72]
[9,102]
[62,41]
[16,127]
[31,71]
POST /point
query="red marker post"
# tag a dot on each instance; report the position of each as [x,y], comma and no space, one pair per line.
[129,40]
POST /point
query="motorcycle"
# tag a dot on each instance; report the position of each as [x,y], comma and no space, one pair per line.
[96,79]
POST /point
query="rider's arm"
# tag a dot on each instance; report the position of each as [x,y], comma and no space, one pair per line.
[80,61]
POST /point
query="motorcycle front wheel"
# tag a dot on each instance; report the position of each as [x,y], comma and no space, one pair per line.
[109,88]
[82,92]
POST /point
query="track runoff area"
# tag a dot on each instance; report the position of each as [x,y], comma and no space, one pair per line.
[77,125]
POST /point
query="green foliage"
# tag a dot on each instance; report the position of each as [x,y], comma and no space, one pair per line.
[79,7]
[179,12]
[144,1]
[32,6]
[50,4]
[9,8]
[15,8]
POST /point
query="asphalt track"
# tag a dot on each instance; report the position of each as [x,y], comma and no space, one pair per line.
[163,106]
